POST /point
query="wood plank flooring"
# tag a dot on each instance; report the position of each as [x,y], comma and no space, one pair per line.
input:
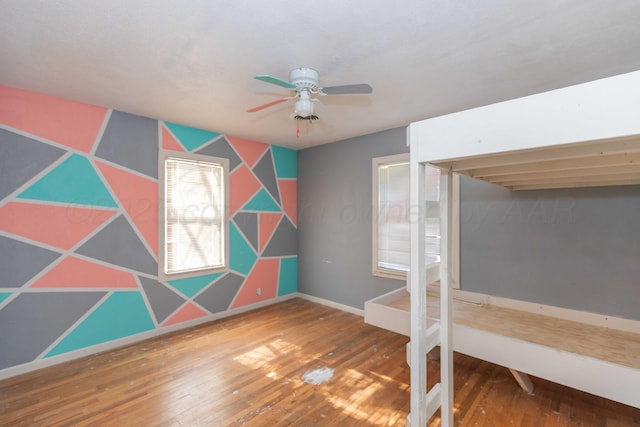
[246,370]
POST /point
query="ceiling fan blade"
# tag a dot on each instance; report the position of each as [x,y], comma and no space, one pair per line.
[356,89]
[268,104]
[274,81]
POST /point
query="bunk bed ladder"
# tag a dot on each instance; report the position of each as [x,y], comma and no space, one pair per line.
[427,332]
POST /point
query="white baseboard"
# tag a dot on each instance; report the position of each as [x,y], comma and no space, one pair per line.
[332,304]
[122,342]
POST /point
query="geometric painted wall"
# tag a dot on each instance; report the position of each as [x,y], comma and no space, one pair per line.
[79,226]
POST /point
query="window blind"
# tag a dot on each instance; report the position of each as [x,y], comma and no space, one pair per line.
[194,213]
[394,244]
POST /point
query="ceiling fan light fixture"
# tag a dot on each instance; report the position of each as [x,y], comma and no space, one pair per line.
[304,106]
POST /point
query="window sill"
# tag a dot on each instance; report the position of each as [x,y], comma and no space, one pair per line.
[163,277]
[390,274]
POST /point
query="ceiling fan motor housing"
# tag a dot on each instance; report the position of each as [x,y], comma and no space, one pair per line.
[304,78]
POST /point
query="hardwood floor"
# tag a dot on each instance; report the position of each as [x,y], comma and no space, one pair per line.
[246,370]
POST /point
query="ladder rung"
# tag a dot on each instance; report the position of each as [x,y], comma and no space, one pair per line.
[409,353]
[433,400]
[432,340]
[433,272]
[432,403]
[432,337]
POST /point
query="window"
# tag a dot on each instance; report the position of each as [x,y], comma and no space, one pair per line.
[194,215]
[391,227]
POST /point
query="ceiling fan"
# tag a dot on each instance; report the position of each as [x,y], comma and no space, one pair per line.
[304,81]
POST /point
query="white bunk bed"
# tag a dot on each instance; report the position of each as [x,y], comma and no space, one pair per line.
[581,136]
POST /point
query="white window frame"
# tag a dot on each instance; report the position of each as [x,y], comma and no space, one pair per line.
[162,220]
[376,162]
[455,227]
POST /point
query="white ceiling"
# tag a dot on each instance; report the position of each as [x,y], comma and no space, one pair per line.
[192,61]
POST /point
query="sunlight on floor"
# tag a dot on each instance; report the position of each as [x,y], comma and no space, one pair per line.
[261,356]
[355,394]
[399,384]
[358,404]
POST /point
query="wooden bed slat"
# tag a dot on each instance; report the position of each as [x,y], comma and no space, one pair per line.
[606,160]
[595,171]
[593,164]
[586,184]
[585,178]
[594,149]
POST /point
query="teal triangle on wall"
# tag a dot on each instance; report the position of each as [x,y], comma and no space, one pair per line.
[192,285]
[288,279]
[285,160]
[4,296]
[121,315]
[241,255]
[262,202]
[73,181]
[191,138]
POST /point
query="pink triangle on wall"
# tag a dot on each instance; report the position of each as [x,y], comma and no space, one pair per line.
[169,142]
[59,226]
[288,189]
[267,223]
[242,186]
[250,151]
[69,123]
[188,312]
[139,197]
[262,283]
[77,273]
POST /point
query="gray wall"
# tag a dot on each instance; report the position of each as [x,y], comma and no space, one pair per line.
[576,248]
[334,218]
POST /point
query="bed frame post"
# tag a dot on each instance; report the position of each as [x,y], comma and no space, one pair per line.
[446,299]
[423,339]
[418,357]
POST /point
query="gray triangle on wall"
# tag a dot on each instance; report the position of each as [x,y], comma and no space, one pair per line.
[21,159]
[247,222]
[219,295]
[21,261]
[283,241]
[266,173]
[34,320]
[163,300]
[221,148]
[131,141]
[119,244]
